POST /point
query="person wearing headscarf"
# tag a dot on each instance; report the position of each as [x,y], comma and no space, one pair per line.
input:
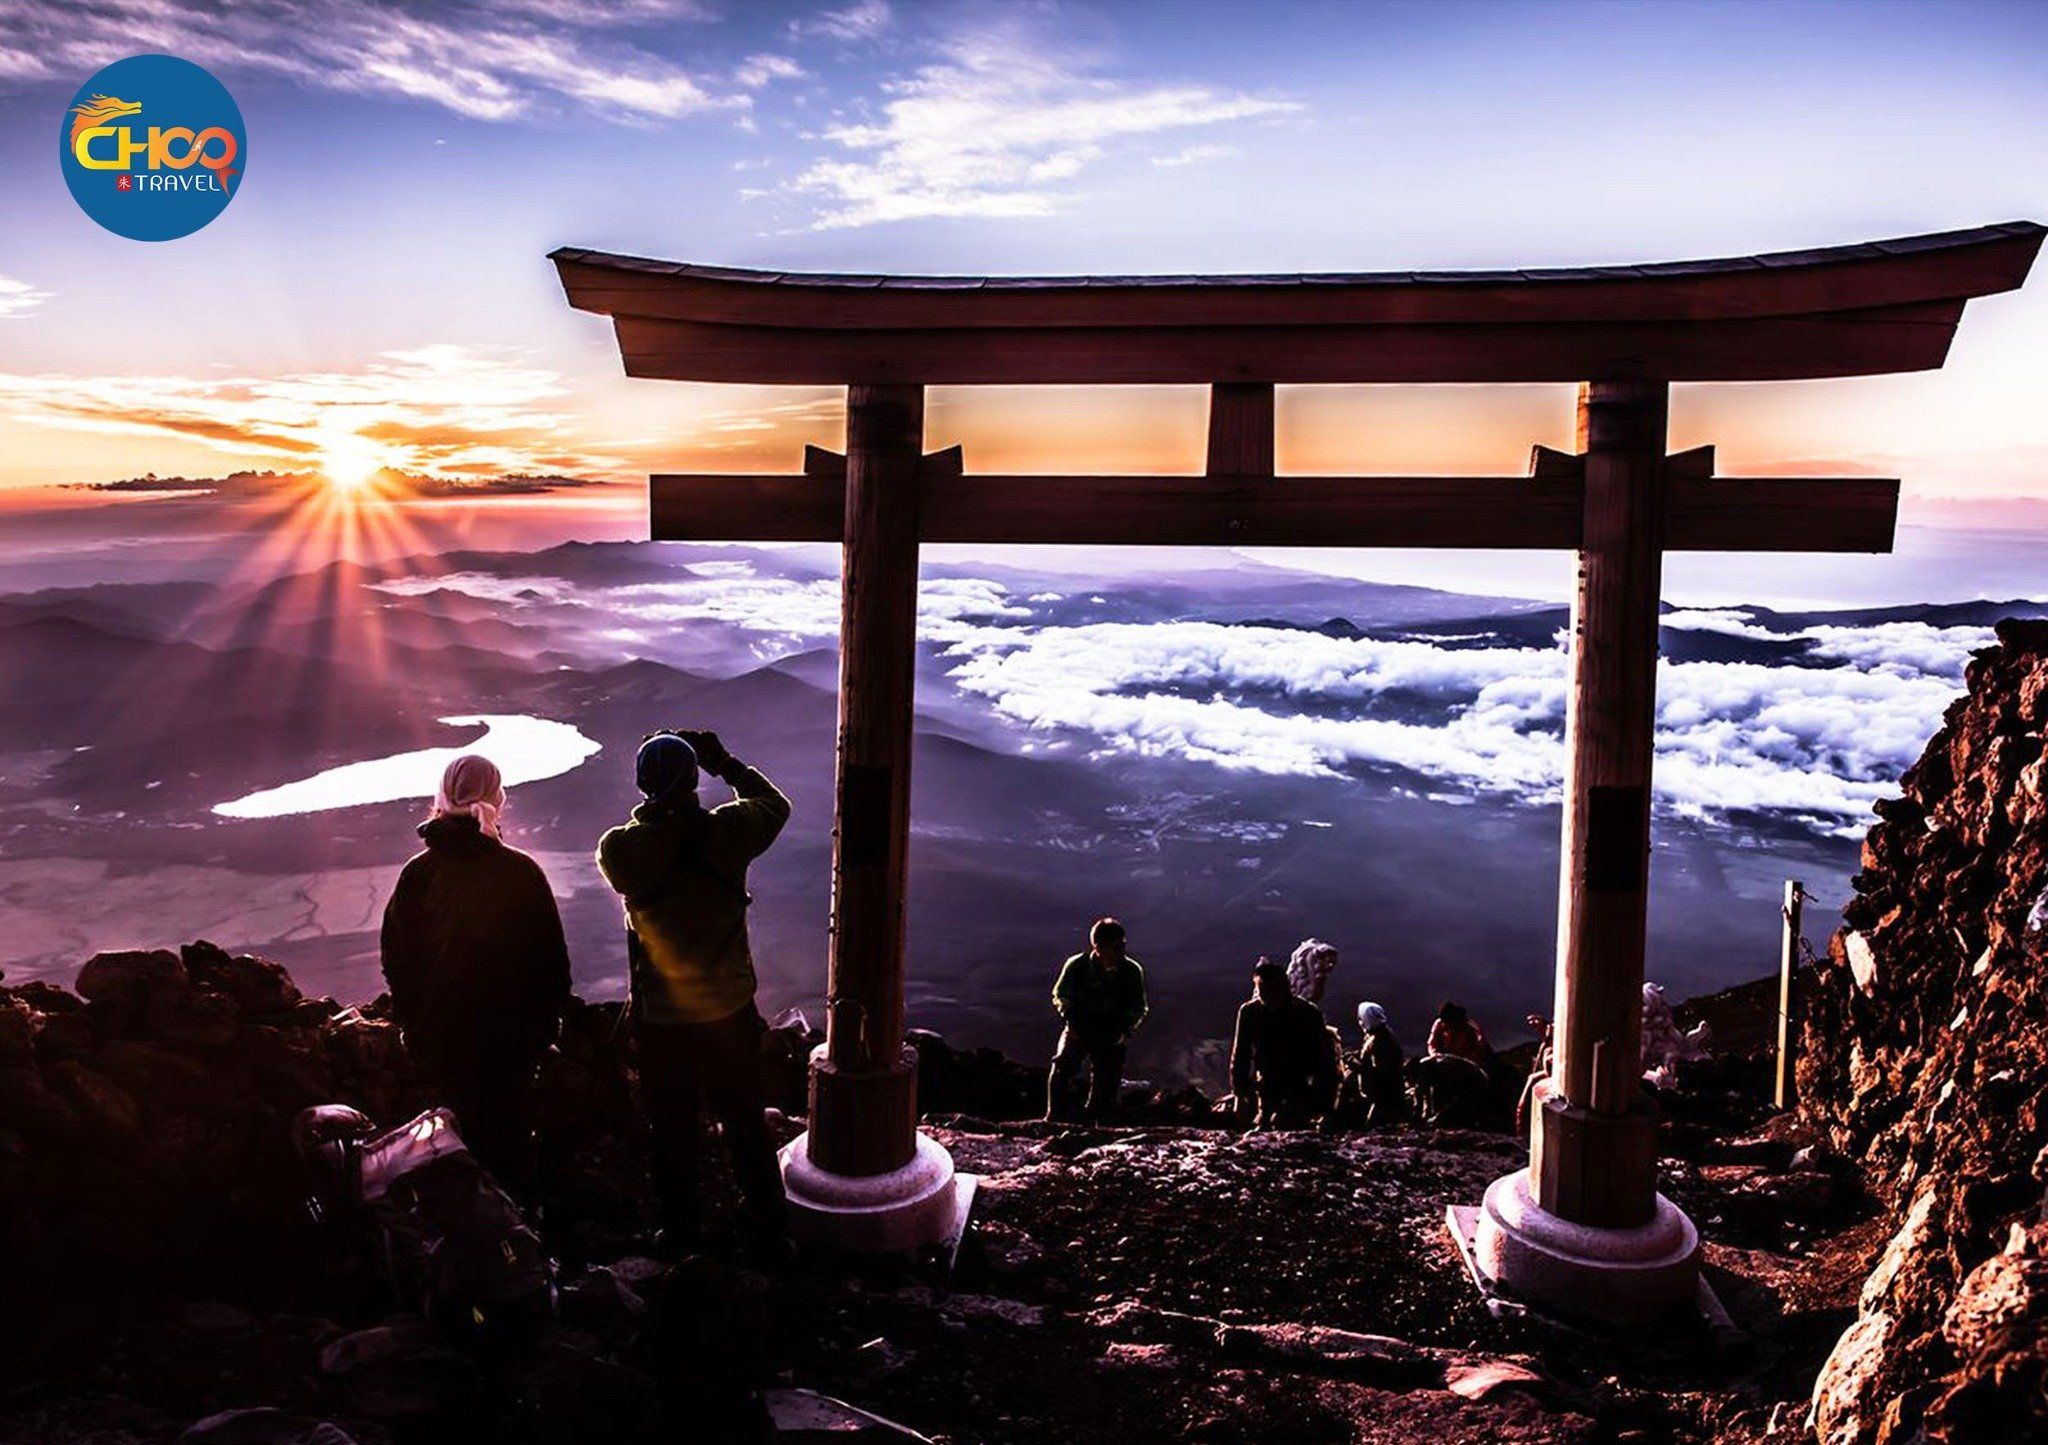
[477,968]
[1377,1069]
[681,869]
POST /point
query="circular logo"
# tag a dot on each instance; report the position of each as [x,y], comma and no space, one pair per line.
[153,147]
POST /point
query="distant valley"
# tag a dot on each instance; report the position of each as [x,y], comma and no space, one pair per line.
[1231,760]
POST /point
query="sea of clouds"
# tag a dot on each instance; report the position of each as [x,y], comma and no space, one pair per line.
[1813,740]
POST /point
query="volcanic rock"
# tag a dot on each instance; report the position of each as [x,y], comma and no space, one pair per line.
[1164,1278]
[1925,1050]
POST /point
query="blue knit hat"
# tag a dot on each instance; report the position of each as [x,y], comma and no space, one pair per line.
[666,768]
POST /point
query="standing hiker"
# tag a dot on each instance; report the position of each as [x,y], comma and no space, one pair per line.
[478,971]
[1100,998]
[682,870]
[1283,1062]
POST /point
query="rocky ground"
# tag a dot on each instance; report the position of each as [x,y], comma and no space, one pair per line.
[1171,1280]
[1882,1251]
[1927,1056]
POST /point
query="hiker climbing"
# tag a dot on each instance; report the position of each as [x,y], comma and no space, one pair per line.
[682,870]
[477,967]
[1283,1061]
[1100,998]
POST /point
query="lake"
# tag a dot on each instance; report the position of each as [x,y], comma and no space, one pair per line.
[526,750]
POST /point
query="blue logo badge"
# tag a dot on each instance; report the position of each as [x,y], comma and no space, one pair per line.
[153,147]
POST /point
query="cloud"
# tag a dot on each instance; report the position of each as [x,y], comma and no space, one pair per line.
[998,128]
[1817,744]
[742,428]
[609,12]
[1724,620]
[440,411]
[863,20]
[1193,154]
[18,298]
[485,62]
[759,70]
[1903,648]
[781,614]
[1810,744]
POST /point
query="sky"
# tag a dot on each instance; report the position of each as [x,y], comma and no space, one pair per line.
[378,291]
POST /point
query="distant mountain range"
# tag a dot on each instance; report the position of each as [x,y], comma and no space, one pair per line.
[1231,759]
[388,480]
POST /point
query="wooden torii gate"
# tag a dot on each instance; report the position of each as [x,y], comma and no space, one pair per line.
[1583,1228]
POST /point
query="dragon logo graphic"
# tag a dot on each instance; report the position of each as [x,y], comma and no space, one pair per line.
[98,111]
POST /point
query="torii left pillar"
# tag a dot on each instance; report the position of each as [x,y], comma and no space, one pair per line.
[862,1178]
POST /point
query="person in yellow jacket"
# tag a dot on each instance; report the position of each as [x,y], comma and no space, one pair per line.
[681,869]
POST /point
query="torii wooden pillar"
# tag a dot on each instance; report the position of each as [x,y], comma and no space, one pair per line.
[1583,1229]
[864,1091]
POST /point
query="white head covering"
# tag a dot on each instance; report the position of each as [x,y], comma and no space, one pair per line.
[1371,1016]
[472,788]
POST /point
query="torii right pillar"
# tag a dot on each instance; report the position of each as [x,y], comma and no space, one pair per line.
[1583,1231]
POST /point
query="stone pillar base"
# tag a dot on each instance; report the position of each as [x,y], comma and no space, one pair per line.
[863,1120]
[1596,1167]
[1609,1276]
[922,1205]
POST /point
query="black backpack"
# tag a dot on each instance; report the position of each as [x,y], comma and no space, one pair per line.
[455,1246]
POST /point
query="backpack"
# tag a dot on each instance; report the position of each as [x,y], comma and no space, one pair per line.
[455,1246]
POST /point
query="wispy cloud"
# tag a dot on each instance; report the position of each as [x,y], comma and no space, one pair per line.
[999,127]
[1192,155]
[609,12]
[18,298]
[486,62]
[779,612]
[442,411]
[743,428]
[759,70]
[863,20]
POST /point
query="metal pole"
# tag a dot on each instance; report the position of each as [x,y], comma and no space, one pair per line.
[1788,960]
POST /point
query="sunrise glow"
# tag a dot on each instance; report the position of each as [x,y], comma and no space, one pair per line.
[437,344]
[349,461]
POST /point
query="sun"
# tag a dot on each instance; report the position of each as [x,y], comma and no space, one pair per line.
[349,460]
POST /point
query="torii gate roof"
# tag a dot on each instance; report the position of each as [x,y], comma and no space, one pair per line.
[1881,306]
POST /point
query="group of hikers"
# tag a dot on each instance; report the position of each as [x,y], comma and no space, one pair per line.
[477,968]
[1288,1065]
[478,971]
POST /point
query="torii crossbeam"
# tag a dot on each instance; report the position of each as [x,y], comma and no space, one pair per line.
[1583,1229]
